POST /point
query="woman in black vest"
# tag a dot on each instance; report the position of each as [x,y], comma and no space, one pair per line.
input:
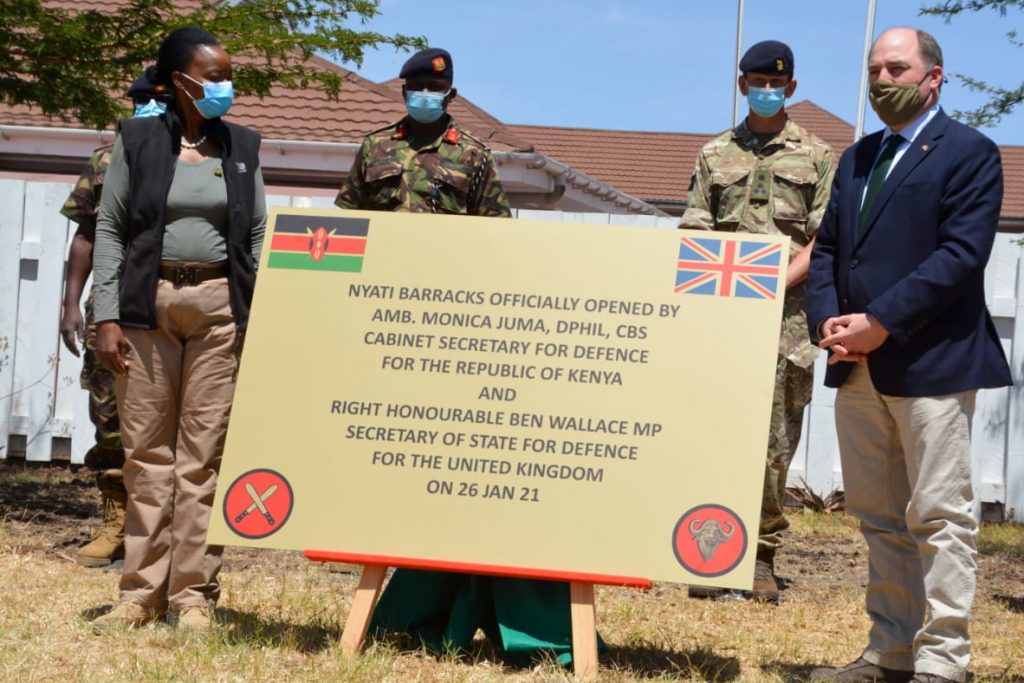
[178,235]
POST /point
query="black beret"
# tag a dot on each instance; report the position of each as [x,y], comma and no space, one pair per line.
[430,62]
[146,85]
[768,57]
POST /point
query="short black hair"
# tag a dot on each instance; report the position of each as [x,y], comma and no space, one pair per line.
[177,49]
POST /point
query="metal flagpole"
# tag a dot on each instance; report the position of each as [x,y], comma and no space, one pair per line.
[739,45]
[862,100]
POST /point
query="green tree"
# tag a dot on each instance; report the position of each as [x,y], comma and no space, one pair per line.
[1001,101]
[76,64]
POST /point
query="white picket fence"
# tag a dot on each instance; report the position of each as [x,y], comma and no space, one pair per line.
[44,413]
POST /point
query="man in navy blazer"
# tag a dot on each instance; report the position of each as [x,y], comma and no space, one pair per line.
[896,293]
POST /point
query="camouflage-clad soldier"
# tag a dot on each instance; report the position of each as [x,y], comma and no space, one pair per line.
[453,173]
[770,176]
[425,166]
[106,456]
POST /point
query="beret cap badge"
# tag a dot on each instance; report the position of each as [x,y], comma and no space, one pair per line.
[438,64]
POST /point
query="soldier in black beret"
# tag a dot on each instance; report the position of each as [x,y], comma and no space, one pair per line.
[770,57]
[769,176]
[428,87]
[433,61]
[446,168]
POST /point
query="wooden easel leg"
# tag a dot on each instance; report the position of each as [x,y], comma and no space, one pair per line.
[358,622]
[584,630]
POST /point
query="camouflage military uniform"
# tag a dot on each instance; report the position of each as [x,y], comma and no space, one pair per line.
[82,206]
[453,174]
[779,188]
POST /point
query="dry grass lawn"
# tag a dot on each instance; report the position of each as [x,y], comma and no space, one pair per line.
[280,616]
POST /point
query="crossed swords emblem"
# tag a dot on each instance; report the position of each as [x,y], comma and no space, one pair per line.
[257,503]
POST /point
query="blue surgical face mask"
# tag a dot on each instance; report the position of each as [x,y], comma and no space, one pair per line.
[151,108]
[766,102]
[425,106]
[217,97]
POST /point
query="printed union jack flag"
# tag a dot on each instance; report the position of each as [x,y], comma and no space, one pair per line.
[728,267]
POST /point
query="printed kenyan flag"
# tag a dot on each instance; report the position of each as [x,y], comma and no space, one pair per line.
[318,243]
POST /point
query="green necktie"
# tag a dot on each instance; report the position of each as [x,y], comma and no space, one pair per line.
[878,175]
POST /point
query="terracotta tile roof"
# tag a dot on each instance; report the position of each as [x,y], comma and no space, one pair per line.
[823,123]
[649,166]
[306,113]
[1013,181]
[309,114]
[656,167]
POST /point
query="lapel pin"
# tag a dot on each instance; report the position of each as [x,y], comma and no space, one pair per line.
[924,148]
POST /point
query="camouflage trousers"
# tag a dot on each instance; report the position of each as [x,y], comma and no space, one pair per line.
[793,386]
[107,453]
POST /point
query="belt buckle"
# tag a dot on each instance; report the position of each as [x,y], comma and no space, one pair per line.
[184,276]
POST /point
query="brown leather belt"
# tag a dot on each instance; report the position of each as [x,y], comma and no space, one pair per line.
[191,274]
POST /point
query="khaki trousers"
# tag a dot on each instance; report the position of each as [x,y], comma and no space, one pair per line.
[907,476]
[174,406]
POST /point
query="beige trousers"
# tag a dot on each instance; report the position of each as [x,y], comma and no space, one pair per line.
[174,406]
[907,477]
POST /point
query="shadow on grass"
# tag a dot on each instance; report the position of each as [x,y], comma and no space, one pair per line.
[244,628]
[1011,602]
[91,613]
[481,649]
[27,493]
[652,662]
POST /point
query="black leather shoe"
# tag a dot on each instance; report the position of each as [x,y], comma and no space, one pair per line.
[862,671]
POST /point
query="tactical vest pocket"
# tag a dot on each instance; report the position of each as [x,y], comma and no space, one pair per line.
[729,192]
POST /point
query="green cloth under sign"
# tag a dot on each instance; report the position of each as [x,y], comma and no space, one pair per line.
[524,618]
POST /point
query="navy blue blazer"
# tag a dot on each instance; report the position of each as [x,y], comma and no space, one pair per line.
[919,264]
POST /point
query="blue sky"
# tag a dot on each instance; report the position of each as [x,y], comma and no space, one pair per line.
[667,65]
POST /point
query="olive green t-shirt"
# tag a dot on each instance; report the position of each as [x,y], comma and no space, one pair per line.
[195,222]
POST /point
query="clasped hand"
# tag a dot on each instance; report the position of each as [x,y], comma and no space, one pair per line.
[852,337]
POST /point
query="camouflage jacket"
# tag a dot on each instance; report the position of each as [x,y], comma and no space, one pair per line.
[779,188]
[83,204]
[454,173]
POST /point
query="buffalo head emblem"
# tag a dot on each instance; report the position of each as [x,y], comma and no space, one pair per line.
[709,534]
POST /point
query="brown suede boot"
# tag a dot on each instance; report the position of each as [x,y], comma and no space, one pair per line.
[108,545]
[766,587]
[124,616]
